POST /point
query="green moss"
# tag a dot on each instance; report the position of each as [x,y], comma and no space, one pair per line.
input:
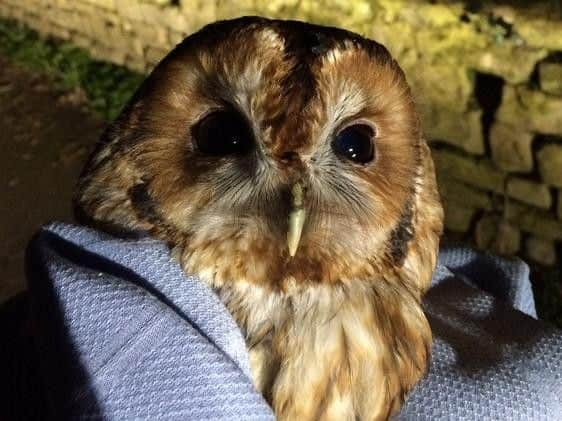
[107,86]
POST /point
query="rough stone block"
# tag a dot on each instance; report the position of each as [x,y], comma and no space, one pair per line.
[18,14]
[174,38]
[170,18]
[207,11]
[153,55]
[459,129]
[508,239]
[475,172]
[82,41]
[136,63]
[138,49]
[64,4]
[512,62]
[165,17]
[88,8]
[541,251]
[444,86]
[106,4]
[458,217]
[101,29]
[493,232]
[32,6]
[540,32]
[117,56]
[534,110]
[154,36]
[400,47]
[530,192]
[61,33]
[13,3]
[71,20]
[550,78]
[549,159]
[535,221]
[454,191]
[560,204]
[5,10]
[439,15]
[102,52]
[40,25]
[511,148]
[133,10]
[118,39]
[485,231]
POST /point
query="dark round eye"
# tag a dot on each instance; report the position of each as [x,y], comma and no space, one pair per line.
[355,143]
[222,133]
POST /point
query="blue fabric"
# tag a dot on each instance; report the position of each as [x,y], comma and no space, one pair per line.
[124,334]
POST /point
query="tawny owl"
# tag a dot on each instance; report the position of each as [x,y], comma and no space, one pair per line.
[284,164]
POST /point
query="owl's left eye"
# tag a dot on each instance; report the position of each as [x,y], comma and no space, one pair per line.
[222,133]
[355,143]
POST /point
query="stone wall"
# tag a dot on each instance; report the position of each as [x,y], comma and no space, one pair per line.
[488,81]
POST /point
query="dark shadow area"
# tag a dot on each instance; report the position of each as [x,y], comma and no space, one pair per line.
[485,274]
[480,331]
[23,396]
[488,91]
[41,371]
[45,136]
[547,289]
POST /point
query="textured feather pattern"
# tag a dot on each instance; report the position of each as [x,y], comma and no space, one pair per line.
[335,331]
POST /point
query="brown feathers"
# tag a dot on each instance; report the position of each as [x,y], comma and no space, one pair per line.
[337,331]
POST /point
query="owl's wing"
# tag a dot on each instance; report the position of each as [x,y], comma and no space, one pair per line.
[111,192]
[421,256]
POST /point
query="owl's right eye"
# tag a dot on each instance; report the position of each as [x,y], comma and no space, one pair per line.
[355,143]
[222,133]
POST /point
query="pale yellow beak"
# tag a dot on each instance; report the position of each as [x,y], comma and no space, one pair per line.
[297,216]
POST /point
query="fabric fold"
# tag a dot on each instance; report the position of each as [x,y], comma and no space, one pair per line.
[120,332]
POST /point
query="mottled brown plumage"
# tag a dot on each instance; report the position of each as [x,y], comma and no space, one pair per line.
[335,331]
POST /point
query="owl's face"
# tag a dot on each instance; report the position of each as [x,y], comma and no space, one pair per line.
[214,151]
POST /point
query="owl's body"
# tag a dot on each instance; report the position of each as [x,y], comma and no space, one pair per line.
[206,157]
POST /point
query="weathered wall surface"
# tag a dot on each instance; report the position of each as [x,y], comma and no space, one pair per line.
[488,83]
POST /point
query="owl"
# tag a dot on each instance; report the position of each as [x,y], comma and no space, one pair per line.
[284,165]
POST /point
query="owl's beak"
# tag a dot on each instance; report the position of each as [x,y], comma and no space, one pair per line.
[297,217]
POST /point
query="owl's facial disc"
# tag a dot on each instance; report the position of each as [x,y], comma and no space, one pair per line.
[263,158]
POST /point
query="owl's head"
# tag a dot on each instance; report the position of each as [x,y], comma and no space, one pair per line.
[271,152]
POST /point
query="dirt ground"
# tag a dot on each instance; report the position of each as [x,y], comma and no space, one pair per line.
[45,136]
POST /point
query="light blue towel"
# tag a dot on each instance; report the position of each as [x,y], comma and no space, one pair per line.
[124,334]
